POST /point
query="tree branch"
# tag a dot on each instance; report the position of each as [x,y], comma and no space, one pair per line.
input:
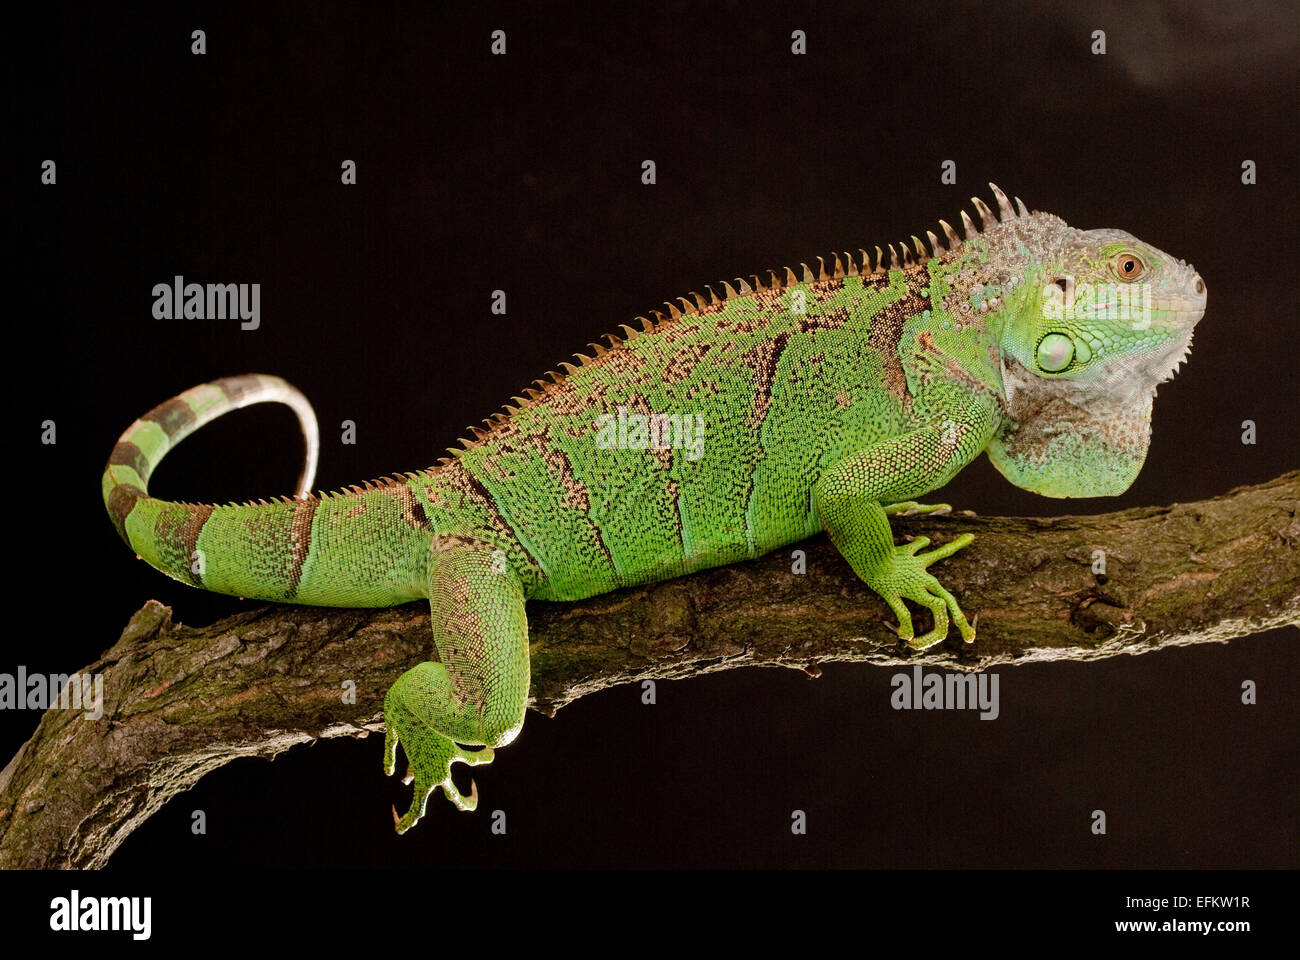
[180,701]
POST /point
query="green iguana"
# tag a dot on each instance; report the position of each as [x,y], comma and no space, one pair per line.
[724,428]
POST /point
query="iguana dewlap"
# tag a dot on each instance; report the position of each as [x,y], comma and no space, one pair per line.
[727,428]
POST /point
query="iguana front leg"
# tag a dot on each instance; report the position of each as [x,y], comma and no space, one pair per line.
[856,495]
[477,693]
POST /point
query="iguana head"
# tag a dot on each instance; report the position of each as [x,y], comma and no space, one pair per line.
[1087,324]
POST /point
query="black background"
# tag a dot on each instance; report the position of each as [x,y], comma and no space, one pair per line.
[522,173]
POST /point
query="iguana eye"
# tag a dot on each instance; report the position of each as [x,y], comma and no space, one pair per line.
[1129,267]
[1055,352]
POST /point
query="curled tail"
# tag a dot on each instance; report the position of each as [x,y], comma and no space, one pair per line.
[141,448]
[344,550]
[166,534]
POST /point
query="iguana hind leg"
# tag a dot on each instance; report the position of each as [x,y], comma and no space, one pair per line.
[477,693]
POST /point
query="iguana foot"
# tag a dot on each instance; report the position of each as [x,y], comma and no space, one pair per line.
[908,508]
[430,755]
[905,578]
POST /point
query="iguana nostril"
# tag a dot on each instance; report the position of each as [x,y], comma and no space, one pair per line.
[1199,285]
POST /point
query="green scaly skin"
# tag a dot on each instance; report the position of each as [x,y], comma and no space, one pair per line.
[828,403]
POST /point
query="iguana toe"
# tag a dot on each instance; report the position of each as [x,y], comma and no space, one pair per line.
[430,756]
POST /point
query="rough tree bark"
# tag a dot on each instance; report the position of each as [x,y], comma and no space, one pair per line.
[180,701]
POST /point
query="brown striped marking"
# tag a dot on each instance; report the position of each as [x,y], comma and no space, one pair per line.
[831,320]
[183,538]
[412,511]
[176,417]
[886,332]
[763,360]
[129,455]
[121,501]
[682,363]
[300,541]
[236,388]
[472,488]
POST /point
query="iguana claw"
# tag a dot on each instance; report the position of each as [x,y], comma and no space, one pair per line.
[430,756]
[905,578]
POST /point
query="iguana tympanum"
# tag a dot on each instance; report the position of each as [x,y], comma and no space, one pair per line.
[723,429]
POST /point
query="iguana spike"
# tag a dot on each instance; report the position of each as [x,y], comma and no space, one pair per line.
[775,283]
[821,269]
[968,225]
[614,340]
[919,247]
[986,215]
[713,296]
[556,378]
[866,262]
[908,260]
[1020,208]
[744,288]
[673,312]
[646,325]
[532,393]
[807,272]
[728,291]
[790,278]
[837,271]
[1004,206]
[880,261]
[598,349]
[629,332]
[658,318]
[954,241]
[852,269]
[688,308]
[893,258]
[935,246]
[758,284]
[699,300]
